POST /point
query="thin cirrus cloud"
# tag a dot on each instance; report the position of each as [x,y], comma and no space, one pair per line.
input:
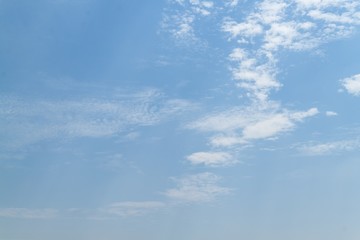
[111,211]
[130,209]
[327,148]
[197,188]
[191,189]
[26,122]
[26,213]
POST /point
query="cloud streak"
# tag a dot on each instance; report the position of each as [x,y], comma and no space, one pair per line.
[327,148]
[26,122]
[26,213]
[131,209]
[201,187]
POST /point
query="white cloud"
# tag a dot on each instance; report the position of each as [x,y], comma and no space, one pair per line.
[334,18]
[271,11]
[212,159]
[201,7]
[181,2]
[318,3]
[207,4]
[257,79]
[269,127]
[27,213]
[202,187]
[244,29]
[180,27]
[298,116]
[198,188]
[331,113]
[273,125]
[280,34]
[185,29]
[352,84]
[272,26]
[238,54]
[181,23]
[241,125]
[315,149]
[232,3]
[257,36]
[226,121]
[277,25]
[129,209]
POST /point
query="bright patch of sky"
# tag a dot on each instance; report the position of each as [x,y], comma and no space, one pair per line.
[179,119]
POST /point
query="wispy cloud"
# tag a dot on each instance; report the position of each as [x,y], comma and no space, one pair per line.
[231,3]
[180,20]
[202,187]
[28,121]
[130,209]
[212,159]
[191,189]
[352,84]
[27,213]
[183,30]
[326,148]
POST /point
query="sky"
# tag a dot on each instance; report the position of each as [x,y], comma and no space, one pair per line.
[179,119]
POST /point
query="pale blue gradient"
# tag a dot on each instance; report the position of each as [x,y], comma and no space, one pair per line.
[102,103]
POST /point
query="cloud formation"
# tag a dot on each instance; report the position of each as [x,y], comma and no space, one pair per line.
[180,21]
[331,113]
[258,35]
[241,125]
[29,121]
[327,148]
[131,209]
[202,187]
[212,159]
[283,25]
[352,84]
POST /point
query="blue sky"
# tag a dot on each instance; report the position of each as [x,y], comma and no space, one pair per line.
[179,119]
